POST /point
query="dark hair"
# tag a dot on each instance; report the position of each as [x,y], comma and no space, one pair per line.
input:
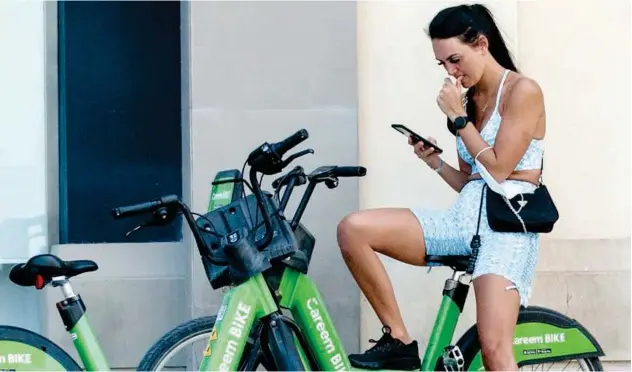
[468,22]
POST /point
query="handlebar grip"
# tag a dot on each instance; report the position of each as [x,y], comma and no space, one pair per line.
[349,171]
[134,209]
[290,142]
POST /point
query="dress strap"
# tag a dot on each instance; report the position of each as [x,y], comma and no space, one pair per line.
[500,87]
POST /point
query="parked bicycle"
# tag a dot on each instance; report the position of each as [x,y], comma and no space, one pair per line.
[264,265]
[250,248]
[25,350]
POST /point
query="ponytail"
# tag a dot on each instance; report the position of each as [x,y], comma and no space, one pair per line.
[497,46]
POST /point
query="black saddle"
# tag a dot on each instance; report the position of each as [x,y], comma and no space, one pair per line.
[42,268]
[458,263]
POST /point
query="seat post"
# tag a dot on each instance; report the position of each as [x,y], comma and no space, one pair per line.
[66,288]
[463,277]
[457,288]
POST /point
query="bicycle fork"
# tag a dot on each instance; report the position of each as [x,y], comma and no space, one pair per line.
[241,307]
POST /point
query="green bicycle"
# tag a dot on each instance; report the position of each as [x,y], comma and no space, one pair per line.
[24,350]
[264,263]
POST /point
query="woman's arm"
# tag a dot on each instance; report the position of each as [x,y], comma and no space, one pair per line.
[523,109]
[456,178]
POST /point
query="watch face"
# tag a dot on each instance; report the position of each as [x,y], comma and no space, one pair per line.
[460,122]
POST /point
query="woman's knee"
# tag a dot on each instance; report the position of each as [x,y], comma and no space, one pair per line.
[495,349]
[496,315]
[350,228]
[393,232]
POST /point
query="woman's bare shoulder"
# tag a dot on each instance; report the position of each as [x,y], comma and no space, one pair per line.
[524,88]
[525,99]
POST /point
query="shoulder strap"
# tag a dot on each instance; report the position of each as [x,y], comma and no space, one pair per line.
[500,87]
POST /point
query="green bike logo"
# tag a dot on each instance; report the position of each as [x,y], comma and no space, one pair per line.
[336,359]
[236,330]
[222,195]
[547,338]
[15,359]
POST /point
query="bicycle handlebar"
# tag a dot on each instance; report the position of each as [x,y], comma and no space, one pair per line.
[140,208]
[349,171]
[292,141]
[167,201]
[266,159]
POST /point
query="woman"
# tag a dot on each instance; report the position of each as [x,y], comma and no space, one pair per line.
[502,125]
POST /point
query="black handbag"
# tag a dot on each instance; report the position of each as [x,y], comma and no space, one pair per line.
[531,212]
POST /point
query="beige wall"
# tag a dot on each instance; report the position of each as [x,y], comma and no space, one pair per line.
[584,266]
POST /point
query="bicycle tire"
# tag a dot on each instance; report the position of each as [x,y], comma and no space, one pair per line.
[471,347]
[35,343]
[195,327]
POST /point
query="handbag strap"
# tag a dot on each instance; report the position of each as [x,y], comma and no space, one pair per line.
[542,169]
[480,209]
[475,244]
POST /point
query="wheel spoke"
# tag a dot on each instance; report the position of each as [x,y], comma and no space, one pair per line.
[582,365]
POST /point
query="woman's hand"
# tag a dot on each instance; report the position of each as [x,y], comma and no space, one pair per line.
[449,99]
[427,154]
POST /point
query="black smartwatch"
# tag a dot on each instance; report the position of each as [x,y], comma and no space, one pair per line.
[460,122]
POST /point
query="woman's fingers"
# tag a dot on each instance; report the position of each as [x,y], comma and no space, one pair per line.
[427,152]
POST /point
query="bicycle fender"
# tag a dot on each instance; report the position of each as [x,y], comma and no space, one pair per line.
[282,348]
[542,335]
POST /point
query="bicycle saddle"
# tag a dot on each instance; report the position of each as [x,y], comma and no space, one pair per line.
[40,269]
[458,263]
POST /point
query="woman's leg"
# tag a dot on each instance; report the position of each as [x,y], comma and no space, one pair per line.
[393,232]
[496,315]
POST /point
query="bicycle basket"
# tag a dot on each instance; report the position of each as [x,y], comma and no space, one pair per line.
[240,213]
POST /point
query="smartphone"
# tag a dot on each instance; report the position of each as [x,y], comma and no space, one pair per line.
[416,138]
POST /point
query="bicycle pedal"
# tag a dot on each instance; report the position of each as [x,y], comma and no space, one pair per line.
[453,359]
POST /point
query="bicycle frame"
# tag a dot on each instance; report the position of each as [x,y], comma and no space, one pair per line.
[240,308]
[300,295]
[73,313]
[252,301]
[541,336]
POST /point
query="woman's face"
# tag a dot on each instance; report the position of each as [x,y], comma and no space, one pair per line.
[460,59]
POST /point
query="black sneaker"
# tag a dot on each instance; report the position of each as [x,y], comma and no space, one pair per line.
[388,353]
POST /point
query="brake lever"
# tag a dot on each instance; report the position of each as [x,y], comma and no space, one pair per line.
[159,217]
[295,156]
[332,182]
[135,229]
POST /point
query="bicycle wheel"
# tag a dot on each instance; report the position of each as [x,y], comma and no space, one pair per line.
[24,350]
[182,348]
[579,364]
[553,342]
